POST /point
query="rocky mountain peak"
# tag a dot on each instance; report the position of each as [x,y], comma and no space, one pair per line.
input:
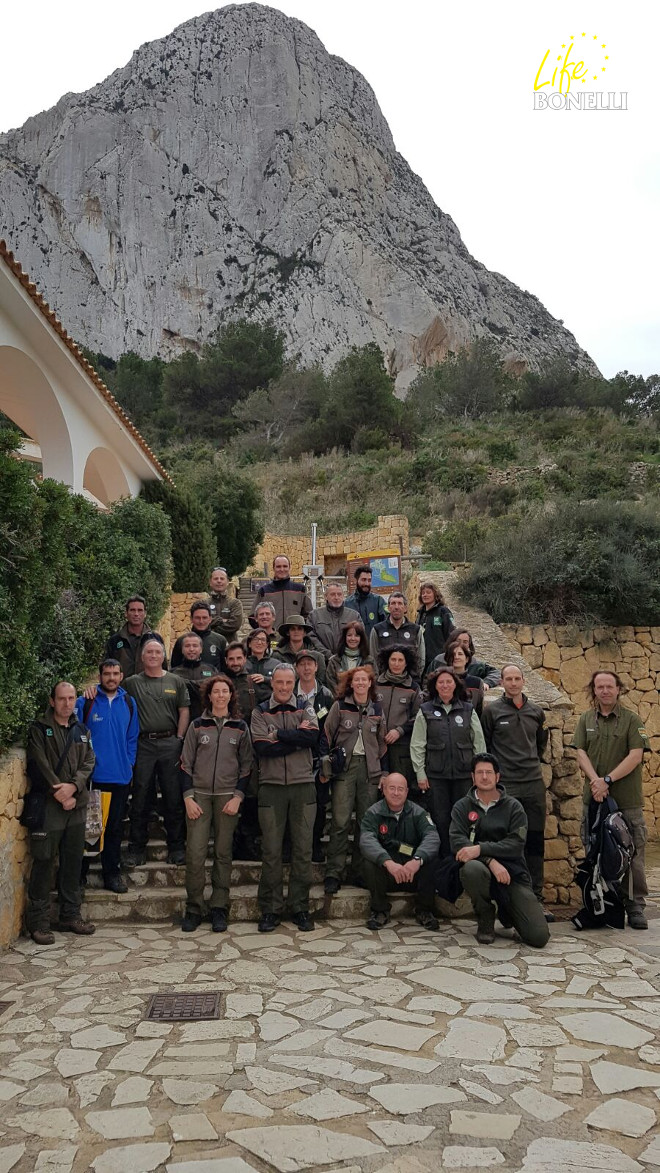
[236,168]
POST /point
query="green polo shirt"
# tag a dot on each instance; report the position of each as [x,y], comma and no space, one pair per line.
[607,740]
[158,700]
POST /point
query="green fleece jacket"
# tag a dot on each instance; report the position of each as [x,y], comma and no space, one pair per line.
[500,831]
[411,834]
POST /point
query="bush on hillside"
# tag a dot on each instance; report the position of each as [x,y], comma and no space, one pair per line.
[457,541]
[468,384]
[202,392]
[65,572]
[580,563]
[194,549]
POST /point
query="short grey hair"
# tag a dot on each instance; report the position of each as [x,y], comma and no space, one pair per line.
[154,640]
[265,604]
[284,668]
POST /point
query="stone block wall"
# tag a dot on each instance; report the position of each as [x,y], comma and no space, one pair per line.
[567,657]
[14,857]
[390,532]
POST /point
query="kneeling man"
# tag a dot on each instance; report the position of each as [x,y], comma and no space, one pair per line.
[487,835]
[399,845]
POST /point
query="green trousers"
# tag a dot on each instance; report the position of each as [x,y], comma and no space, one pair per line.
[526,912]
[63,838]
[351,791]
[379,882]
[399,760]
[211,823]
[531,796]
[281,807]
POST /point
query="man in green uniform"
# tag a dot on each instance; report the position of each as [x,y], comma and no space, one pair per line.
[213,643]
[60,761]
[284,738]
[125,644]
[514,728]
[193,670]
[399,846]
[163,708]
[611,741]
[487,836]
[226,613]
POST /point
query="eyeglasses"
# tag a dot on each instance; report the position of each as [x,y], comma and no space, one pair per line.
[222,568]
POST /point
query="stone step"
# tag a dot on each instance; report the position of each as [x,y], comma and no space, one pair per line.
[155,874]
[157,849]
[168,904]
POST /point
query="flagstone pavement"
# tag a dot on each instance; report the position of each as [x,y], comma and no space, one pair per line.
[401,1051]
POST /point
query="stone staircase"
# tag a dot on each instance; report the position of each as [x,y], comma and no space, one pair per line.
[156,891]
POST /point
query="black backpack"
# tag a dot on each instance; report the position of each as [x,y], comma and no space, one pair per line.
[617,849]
[610,852]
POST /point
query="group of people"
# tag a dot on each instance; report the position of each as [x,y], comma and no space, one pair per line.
[349,706]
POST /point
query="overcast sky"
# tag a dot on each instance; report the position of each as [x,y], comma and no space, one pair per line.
[566,204]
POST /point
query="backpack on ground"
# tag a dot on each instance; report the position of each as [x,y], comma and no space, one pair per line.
[610,852]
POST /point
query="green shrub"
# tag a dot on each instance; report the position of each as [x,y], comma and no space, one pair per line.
[65,572]
[458,541]
[581,563]
[501,451]
[194,550]
[234,503]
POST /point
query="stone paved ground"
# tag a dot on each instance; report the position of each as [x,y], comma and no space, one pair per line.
[402,1051]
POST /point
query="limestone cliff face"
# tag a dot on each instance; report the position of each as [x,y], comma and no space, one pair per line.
[235,167]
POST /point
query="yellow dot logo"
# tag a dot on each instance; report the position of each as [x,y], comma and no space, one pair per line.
[572,66]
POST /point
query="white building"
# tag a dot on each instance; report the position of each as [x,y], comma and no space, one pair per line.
[75,427]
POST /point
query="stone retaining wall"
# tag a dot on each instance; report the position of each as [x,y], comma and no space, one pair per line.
[14,858]
[390,532]
[567,657]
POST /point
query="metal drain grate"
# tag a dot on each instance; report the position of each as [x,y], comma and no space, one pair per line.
[183,1007]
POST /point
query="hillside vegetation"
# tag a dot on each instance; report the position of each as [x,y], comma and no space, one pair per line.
[472,455]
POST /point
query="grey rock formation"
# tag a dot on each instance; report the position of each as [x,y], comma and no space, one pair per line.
[237,168]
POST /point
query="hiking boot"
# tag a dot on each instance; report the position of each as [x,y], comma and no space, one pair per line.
[269,922]
[427,920]
[378,920]
[219,920]
[637,919]
[331,885]
[115,884]
[190,922]
[177,857]
[549,916]
[486,927]
[135,857]
[43,937]
[82,928]
[303,921]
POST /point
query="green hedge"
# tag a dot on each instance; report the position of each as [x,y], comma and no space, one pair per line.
[194,547]
[66,570]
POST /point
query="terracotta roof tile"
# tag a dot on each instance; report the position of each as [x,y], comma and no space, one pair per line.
[40,301]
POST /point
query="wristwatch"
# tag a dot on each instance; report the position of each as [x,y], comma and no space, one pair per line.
[607,780]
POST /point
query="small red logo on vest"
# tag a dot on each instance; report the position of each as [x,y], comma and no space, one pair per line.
[473,816]
[383,829]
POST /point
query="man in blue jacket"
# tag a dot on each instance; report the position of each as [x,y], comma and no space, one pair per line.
[112,720]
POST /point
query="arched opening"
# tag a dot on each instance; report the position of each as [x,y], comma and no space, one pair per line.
[28,399]
[104,476]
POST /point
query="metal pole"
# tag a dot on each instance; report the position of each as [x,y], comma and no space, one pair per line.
[314,527]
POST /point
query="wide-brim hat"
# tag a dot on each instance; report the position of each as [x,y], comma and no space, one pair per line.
[293,621]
